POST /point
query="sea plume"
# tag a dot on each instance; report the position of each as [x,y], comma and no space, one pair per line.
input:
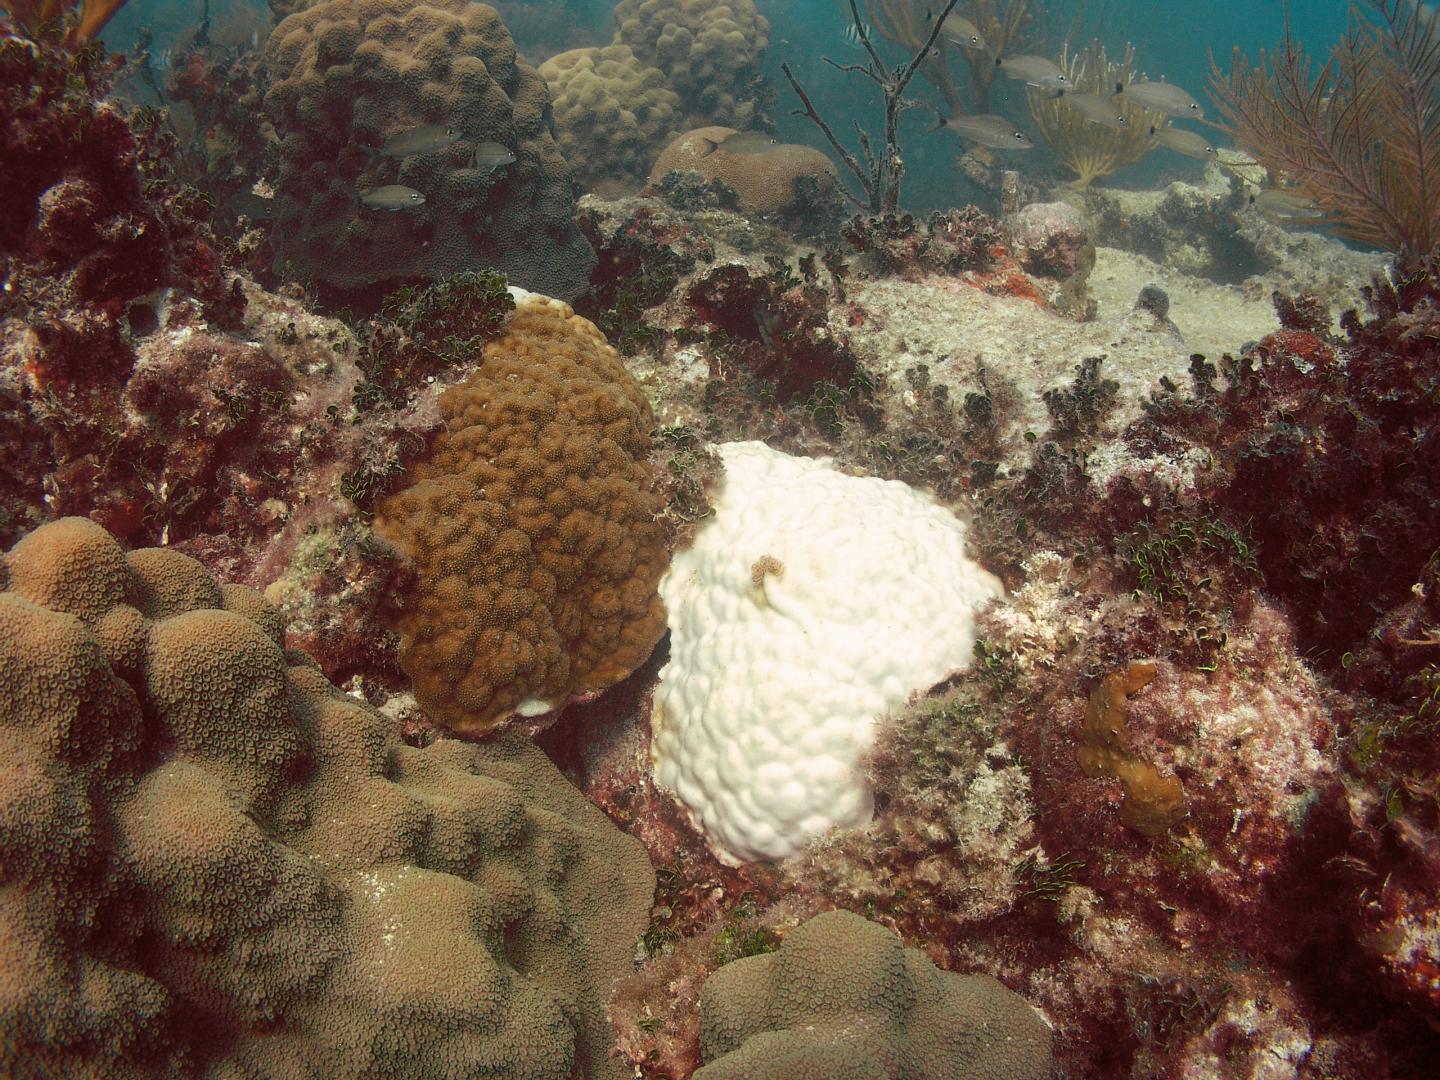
[1360,136]
[1087,149]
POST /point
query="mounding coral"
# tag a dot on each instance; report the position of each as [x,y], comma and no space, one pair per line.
[766,181]
[843,999]
[810,604]
[532,526]
[710,53]
[213,862]
[611,111]
[346,75]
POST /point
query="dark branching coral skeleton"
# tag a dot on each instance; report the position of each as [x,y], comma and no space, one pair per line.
[880,176]
[1360,136]
[1005,26]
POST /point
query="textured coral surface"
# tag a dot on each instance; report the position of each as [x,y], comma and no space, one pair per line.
[346,75]
[532,527]
[710,52]
[765,181]
[843,999]
[811,603]
[214,863]
[611,112]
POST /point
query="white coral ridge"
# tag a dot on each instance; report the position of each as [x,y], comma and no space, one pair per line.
[810,604]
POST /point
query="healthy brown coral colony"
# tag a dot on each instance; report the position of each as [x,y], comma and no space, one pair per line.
[710,53]
[765,180]
[533,529]
[1360,136]
[215,863]
[843,998]
[611,111]
[349,75]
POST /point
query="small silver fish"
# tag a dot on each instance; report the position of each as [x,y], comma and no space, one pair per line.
[994,132]
[1035,70]
[744,142]
[1161,97]
[852,35]
[424,139]
[1184,142]
[961,31]
[1286,205]
[1097,110]
[490,155]
[392,197]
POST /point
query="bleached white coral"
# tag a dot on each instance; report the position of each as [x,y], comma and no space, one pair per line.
[812,602]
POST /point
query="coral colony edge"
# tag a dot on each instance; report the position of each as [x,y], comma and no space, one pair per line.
[571,540]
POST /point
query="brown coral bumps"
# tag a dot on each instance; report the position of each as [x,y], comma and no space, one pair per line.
[843,999]
[348,75]
[533,529]
[212,862]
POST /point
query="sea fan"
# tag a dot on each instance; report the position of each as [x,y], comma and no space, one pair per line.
[1360,136]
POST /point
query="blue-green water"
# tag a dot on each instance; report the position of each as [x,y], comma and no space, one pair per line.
[1172,40]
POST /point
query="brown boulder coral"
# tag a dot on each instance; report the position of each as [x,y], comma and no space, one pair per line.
[533,529]
[348,75]
[764,180]
[843,999]
[710,53]
[214,863]
[611,111]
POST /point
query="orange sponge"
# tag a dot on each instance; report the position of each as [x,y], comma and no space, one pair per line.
[1152,802]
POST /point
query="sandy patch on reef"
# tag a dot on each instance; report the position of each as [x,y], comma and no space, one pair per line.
[956,330]
[1212,318]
